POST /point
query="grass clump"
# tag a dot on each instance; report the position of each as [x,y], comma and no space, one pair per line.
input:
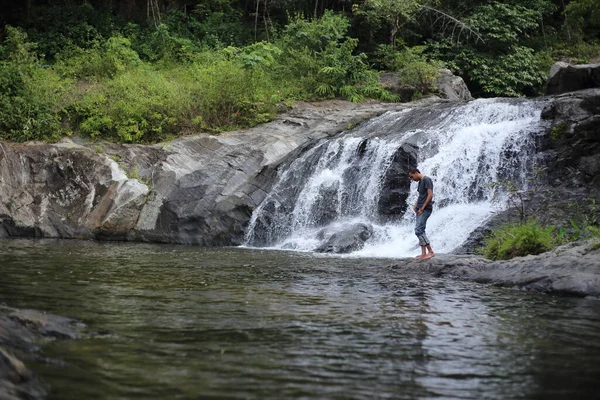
[515,240]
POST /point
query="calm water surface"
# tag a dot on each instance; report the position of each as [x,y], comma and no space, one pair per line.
[174,322]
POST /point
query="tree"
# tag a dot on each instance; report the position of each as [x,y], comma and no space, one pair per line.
[499,64]
[583,16]
[393,13]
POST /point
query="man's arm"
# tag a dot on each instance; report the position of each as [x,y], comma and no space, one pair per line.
[427,200]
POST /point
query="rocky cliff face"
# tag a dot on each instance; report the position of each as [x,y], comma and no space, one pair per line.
[197,190]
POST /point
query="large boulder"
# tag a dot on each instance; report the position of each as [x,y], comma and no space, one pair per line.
[571,146]
[564,77]
[395,187]
[392,82]
[447,86]
[452,87]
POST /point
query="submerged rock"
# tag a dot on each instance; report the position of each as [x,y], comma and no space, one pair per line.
[20,333]
[16,380]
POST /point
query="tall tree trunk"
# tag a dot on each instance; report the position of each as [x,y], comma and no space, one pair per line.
[566,23]
[256,20]
[265,16]
[394,31]
[28,8]
[316,8]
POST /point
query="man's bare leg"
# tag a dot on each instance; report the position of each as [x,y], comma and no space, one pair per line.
[423,254]
[429,254]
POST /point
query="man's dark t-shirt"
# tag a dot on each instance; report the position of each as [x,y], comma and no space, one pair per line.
[424,184]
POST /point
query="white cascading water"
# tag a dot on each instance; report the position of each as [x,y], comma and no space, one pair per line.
[465,150]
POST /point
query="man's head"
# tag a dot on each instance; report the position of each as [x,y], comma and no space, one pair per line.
[414,174]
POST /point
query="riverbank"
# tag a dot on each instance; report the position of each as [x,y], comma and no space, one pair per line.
[572,269]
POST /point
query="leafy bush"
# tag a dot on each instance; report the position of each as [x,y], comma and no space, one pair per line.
[161,44]
[102,61]
[578,231]
[30,96]
[63,25]
[583,17]
[139,105]
[499,64]
[412,65]
[316,35]
[515,240]
[320,57]
[230,95]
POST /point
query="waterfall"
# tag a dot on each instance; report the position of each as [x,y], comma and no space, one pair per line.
[360,178]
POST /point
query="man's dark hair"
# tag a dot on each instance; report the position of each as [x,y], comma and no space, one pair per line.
[413,171]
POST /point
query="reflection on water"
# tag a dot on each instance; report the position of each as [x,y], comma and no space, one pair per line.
[174,322]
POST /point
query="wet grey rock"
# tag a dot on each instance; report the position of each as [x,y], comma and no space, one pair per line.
[395,187]
[21,331]
[17,382]
[452,87]
[47,325]
[344,239]
[447,86]
[564,77]
[573,269]
[572,144]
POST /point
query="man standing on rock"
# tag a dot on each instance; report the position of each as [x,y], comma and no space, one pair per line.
[423,207]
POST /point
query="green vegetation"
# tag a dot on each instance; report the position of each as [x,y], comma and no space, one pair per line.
[516,240]
[529,236]
[558,132]
[116,71]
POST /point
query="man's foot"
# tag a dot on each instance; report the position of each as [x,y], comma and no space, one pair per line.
[419,258]
[428,256]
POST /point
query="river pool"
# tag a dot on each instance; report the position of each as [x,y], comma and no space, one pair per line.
[178,322]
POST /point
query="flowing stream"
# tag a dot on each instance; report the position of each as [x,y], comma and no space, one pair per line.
[177,322]
[471,152]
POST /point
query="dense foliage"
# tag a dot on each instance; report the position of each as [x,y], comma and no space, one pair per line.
[145,71]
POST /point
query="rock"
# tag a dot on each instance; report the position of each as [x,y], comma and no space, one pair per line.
[565,77]
[391,82]
[395,187]
[20,332]
[572,144]
[345,239]
[572,270]
[46,325]
[448,85]
[16,380]
[452,87]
